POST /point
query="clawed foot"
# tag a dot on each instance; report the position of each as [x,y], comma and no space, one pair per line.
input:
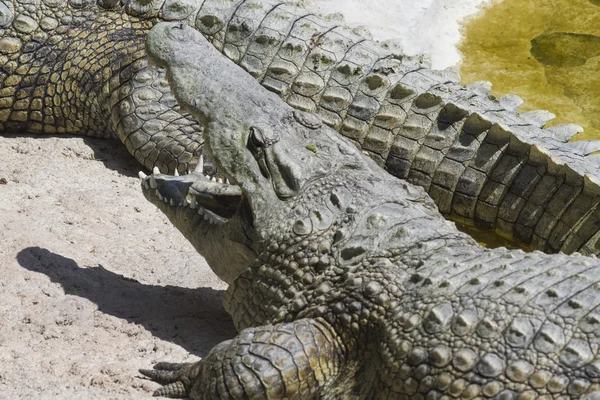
[176,378]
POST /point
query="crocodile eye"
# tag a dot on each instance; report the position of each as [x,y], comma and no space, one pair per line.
[256,138]
[263,137]
[256,145]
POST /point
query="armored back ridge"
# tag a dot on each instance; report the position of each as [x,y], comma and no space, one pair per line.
[354,286]
[79,67]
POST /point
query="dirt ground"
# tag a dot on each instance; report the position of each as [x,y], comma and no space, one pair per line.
[94,281]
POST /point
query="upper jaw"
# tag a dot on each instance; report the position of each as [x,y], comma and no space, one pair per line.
[216,199]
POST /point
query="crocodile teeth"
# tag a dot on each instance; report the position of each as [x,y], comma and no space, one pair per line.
[160,196]
[176,172]
[171,203]
[143,177]
[193,203]
[219,180]
[155,170]
[201,163]
[200,211]
[212,218]
[153,184]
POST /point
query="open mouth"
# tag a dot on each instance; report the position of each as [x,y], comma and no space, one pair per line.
[213,197]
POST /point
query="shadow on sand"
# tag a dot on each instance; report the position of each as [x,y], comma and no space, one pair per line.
[191,318]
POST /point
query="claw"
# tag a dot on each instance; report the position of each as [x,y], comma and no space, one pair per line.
[176,378]
[175,390]
[163,377]
[170,366]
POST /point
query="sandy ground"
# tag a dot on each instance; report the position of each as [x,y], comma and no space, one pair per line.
[94,281]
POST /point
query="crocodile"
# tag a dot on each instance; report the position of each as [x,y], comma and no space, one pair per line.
[348,283]
[80,67]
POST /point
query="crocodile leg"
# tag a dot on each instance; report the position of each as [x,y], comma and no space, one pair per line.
[176,378]
[297,360]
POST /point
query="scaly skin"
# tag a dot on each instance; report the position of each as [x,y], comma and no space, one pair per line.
[348,283]
[79,67]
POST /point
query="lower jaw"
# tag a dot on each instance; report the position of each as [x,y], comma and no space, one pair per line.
[226,257]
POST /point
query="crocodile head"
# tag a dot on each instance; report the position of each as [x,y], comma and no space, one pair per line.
[272,159]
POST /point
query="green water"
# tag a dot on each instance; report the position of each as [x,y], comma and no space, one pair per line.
[547,52]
